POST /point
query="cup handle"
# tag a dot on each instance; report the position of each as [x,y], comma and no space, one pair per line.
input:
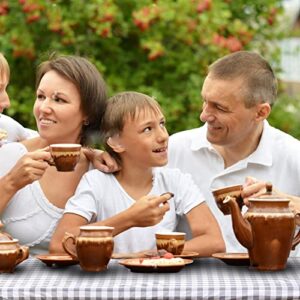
[23,254]
[66,247]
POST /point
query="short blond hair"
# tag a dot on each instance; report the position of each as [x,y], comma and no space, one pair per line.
[4,67]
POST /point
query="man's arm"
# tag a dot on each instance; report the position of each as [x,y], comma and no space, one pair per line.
[207,238]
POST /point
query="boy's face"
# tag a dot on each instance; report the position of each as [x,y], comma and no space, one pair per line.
[144,140]
[4,99]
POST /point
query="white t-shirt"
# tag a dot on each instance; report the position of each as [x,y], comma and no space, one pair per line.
[100,196]
[29,216]
[15,131]
[276,159]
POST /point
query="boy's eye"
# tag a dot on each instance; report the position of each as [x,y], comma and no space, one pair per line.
[147,129]
[163,123]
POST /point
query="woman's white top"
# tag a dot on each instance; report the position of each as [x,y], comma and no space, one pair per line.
[100,196]
[29,216]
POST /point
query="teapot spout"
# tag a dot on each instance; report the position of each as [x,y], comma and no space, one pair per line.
[241,226]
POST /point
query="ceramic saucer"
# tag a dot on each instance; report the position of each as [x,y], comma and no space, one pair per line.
[59,260]
[234,259]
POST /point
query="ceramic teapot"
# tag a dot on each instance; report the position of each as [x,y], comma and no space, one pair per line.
[267,230]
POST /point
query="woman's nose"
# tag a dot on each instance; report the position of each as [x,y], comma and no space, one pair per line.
[46,105]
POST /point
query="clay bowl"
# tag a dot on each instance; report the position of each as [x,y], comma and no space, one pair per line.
[233,191]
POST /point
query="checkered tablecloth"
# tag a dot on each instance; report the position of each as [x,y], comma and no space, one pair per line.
[204,279]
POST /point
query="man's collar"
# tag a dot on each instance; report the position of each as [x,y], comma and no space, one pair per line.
[262,155]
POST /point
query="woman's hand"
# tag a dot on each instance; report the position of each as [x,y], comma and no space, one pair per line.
[101,160]
[29,168]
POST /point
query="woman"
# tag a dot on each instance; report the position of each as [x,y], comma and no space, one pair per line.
[70,102]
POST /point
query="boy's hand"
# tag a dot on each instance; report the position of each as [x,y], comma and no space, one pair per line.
[150,210]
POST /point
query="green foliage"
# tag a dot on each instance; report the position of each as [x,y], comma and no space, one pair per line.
[160,47]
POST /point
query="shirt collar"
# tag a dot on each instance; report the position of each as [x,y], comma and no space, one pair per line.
[262,155]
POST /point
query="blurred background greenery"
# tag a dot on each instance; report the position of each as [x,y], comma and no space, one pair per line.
[160,47]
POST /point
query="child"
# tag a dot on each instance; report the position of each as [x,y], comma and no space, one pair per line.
[135,134]
[11,129]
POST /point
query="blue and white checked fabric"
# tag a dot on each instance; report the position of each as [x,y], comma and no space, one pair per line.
[204,279]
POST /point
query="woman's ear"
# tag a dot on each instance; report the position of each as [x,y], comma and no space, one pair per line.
[114,144]
[263,111]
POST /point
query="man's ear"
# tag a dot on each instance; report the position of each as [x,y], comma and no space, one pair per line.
[263,111]
[115,145]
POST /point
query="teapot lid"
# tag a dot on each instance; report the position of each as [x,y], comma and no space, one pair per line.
[268,195]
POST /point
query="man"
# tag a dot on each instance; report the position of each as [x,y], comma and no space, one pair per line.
[236,141]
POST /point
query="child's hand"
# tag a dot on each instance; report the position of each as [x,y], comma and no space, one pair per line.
[150,210]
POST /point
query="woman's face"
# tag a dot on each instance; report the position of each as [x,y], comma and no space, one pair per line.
[57,109]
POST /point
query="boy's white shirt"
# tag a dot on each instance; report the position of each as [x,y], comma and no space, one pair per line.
[100,196]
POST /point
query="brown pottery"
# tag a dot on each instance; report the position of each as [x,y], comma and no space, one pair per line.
[65,156]
[172,242]
[266,230]
[11,254]
[93,247]
[234,191]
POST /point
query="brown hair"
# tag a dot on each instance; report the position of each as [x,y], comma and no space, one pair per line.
[120,107]
[260,81]
[4,67]
[90,84]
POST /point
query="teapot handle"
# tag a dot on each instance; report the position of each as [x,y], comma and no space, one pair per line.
[66,247]
[23,254]
[296,239]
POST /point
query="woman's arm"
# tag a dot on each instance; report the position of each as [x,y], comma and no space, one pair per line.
[207,238]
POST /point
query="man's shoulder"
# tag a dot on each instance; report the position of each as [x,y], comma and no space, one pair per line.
[282,138]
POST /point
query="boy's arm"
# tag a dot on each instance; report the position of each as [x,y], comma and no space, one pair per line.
[147,211]
[207,238]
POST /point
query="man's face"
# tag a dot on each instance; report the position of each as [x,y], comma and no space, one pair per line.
[4,99]
[229,122]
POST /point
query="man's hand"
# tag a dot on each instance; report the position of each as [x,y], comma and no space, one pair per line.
[101,160]
[252,188]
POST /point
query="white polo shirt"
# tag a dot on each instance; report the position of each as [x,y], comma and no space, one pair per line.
[276,159]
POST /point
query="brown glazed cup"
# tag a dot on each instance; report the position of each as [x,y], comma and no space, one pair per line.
[93,247]
[233,191]
[172,242]
[65,156]
[11,254]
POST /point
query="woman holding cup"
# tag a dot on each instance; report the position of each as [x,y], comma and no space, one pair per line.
[70,101]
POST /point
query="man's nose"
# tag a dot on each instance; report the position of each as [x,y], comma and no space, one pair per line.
[206,114]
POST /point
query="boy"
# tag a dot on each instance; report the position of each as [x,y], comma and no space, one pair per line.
[135,135]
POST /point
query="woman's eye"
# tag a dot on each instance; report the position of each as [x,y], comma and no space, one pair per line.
[40,97]
[57,99]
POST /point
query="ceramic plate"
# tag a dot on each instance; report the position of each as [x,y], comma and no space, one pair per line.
[134,265]
[234,259]
[57,260]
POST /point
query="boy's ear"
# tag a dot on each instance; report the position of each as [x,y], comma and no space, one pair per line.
[114,144]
